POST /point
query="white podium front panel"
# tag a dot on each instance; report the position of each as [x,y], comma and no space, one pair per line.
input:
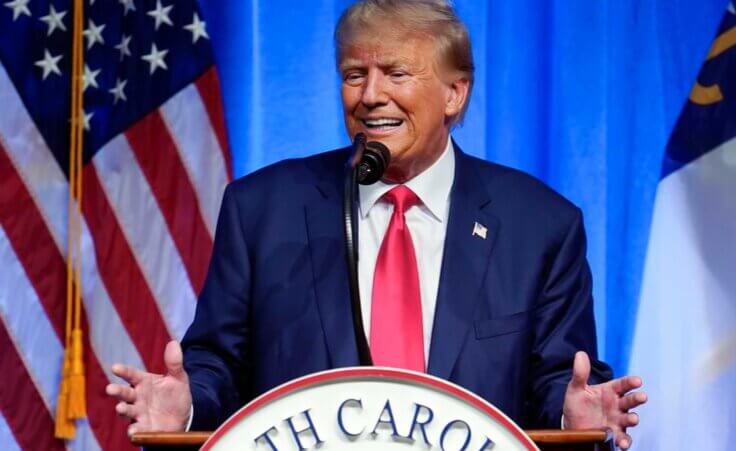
[369,408]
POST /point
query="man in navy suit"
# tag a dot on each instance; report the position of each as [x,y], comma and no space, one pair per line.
[499,273]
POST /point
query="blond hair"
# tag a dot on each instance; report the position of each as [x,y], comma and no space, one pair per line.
[434,18]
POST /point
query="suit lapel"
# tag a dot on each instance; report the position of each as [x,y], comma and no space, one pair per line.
[325,235]
[464,266]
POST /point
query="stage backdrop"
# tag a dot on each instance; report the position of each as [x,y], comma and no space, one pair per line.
[581,94]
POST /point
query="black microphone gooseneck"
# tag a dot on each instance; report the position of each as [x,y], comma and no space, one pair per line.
[366,165]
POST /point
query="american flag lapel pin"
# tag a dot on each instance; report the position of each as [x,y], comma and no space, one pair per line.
[480,230]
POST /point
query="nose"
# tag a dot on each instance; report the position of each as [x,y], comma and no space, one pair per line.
[374,90]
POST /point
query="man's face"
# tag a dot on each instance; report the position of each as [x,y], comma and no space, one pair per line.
[392,91]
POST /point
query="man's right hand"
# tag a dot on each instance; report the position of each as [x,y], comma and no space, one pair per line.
[154,402]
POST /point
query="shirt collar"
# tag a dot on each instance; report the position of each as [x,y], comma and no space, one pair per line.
[432,186]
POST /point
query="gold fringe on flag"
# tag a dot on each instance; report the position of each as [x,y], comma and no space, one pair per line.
[71,403]
[64,427]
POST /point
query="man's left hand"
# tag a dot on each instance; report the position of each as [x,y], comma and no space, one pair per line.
[603,405]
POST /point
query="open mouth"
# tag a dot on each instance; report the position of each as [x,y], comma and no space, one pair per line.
[381,124]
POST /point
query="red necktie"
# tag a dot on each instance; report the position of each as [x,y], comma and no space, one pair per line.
[397,337]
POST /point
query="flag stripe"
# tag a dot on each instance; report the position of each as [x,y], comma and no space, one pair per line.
[185,115]
[85,439]
[208,86]
[20,402]
[28,324]
[174,191]
[128,289]
[6,436]
[34,246]
[145,229]
[112,342]
[35,163]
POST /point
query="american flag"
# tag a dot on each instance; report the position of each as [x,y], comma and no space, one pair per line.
[156,162]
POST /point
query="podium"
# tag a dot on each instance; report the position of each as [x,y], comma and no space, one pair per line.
[367,408]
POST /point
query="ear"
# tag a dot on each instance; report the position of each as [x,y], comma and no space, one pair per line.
[457,95]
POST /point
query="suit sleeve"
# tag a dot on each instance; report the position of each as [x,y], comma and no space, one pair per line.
[564,324]
[215,346]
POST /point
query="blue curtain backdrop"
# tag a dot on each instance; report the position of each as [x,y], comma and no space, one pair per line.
[582,94]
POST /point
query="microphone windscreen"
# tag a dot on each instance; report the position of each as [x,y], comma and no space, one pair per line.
[374,162]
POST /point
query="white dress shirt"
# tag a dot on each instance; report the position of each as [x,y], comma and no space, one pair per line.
[427,224]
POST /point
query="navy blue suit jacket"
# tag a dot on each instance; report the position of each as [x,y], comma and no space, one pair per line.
[512,309]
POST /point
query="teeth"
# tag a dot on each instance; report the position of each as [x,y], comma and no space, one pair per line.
[381,122]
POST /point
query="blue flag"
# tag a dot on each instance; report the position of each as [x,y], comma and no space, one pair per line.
[685,338]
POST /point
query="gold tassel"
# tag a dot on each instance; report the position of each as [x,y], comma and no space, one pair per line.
[64,428]
[77,407]
[77,397]
[71,402]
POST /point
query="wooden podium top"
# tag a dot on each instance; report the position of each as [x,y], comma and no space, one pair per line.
[546,439]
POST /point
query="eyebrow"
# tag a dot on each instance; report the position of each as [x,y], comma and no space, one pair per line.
[350,64]
[353,63]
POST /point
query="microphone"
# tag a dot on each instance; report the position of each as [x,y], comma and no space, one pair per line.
[373,163]
[366,165]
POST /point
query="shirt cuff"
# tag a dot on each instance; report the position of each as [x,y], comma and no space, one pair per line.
[191,417]
[562,421]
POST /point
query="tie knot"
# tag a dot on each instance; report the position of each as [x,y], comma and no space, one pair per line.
[402,197]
